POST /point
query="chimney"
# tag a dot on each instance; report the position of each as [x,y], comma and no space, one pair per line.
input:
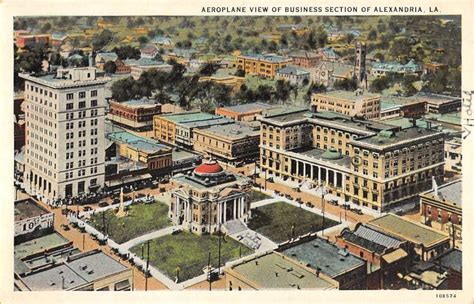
[428,125]
[413,121]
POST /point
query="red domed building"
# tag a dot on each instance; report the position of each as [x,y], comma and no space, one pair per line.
[205,199]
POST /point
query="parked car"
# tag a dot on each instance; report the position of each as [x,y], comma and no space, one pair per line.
[87,208]
[103,204]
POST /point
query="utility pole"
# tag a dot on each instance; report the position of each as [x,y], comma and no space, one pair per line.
[147,264]
[103,222]
[83,242]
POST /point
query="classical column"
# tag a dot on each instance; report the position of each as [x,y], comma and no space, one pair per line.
[319,174]
[234,205]
[304,169]
[334,175]
[225,212]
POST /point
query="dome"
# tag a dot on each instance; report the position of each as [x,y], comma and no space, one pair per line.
[332,153]
[210,167]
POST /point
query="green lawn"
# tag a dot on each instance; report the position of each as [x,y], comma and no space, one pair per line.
[258,196]
[275,221]
[190,253]
[142,218]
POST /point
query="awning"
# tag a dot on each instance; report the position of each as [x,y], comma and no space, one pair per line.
[394,256]
[127,180]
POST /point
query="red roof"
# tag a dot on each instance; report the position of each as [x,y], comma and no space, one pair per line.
[209,168]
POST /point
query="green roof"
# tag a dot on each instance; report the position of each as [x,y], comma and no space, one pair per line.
[39,244]
[275,271]
[451,118]
[411,231]
[190,117]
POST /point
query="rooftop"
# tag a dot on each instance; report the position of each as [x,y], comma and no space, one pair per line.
[40,244]
[219,120]
[82,77]
[343,121]
[305,54]
[77,270]
[232,131]
[146,62]
[94,265]
[277,272]
[320,254]
[411,231]
[453,118]
[435,98]
[386,138]
[140,143]
[56,278]
[326,155]
[358,95]
[371,239]
[139,103]
[28,208]
[189,117]
[249,107]
[449,193]
[283,115]
[266,57]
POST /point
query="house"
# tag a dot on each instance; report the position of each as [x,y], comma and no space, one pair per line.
[102,58]
[294,75]
[328,54]
[163,41]
[379,69]
[149,51]
[305,59]
[58,39]
[328,72]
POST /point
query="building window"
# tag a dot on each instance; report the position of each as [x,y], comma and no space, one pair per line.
[82,105]
[82,94]
[69,96]
[94,103]
[69,106]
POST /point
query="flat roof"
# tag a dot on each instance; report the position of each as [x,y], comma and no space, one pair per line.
[232,131]
[293,71]
[343,121]
[40,244]
[206,123]
[138,142]
[51,80]
[266,57]
[325,155]
[448,193]
[411,231]
[436,98]
[276,271]
[387,137]
[450,118]
[286,114]
[355,96]
[53,278]
[183,154]
[138,103]
[249,107]
[28,208]
[331,259]
[94,265]
[189,117]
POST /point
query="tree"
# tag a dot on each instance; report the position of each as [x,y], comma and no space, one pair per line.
[46,27]
[101,40]
[372,35]
[143,39]
[127,52]
[282,90]
[346,84]
[208,69]
[239,73]
[379,84]
[110,67]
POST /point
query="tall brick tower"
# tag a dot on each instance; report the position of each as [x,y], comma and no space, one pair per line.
[360,72]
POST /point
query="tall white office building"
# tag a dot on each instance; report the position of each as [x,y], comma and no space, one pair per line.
[64,151]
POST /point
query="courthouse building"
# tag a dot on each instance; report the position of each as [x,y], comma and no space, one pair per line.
[64,150]
[373,164]
[207,198]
